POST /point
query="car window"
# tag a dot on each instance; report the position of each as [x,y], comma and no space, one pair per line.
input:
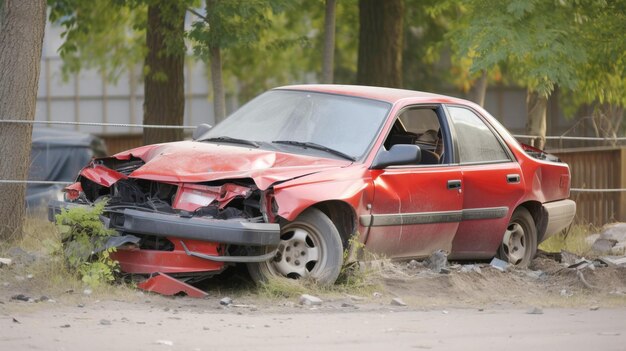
[418,126]
[344,123]
[476,141]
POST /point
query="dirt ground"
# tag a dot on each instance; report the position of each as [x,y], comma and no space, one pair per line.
[546,306]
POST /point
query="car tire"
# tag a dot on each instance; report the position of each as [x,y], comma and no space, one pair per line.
[519,243]
[310,248]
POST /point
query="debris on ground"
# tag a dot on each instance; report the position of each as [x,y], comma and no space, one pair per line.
[499,264]
[310,300]
[397,302]
[467,268]
[534,310]
[227,301]
[438,261]
[22,297]
[164,342]
[612,240]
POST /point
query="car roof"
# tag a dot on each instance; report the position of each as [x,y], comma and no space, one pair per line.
[390,95]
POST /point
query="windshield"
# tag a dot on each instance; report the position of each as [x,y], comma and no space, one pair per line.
[343,123]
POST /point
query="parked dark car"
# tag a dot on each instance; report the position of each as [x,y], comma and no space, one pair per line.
[58,155]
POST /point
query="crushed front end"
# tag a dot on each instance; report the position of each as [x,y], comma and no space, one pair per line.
[189,230]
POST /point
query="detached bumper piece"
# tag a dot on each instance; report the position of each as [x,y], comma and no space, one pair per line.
[166,285]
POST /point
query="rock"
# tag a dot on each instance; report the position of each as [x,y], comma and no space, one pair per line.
[535,310]
[445,312]
[44,298]
[413,264]
[227,301]
[499,264]
[594,308]
[5,262]
[615,231]
[16,321]
[590,239]
[80,305]
[566,293]
[105,322]
[21,297]
[87,292]
[437,261]
[345,304]
[310,300]
[65,326]
[603,245]
[398,302]
[619,248]
[467,268]
[376,294]
[164,342]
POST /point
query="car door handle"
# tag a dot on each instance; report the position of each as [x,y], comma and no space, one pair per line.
[512,178]
[454,184]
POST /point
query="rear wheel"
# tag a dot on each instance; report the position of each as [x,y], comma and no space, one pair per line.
[310,247]
[519,243]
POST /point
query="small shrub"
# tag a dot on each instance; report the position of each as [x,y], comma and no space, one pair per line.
[83,239]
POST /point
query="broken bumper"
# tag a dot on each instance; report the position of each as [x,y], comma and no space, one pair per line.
[196,228]
[560,215]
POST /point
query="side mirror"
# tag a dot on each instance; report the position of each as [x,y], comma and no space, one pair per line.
[200,130]
[399,154]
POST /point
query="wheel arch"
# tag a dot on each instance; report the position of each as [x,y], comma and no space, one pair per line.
[539,215]
[343,217]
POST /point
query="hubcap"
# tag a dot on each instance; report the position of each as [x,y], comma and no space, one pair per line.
[298,253]
[514,244]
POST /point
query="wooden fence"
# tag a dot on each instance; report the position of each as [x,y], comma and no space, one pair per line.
[597,168]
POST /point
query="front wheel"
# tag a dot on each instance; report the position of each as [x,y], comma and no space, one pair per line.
[519,243]
[310,247]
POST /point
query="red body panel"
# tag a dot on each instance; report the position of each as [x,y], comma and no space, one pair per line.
[193,162]
[176,261]
[411,191]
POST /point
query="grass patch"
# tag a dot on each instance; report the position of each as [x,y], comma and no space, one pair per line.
[573,241]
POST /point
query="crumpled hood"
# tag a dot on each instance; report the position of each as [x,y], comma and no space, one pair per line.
[193,162]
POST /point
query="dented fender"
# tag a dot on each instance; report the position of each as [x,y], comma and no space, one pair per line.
[352,185]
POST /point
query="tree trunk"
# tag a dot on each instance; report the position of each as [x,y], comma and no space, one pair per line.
[536,126]
[219,96]
[328,56]
[380,43]
[165,62]
[479,90]
[22,26]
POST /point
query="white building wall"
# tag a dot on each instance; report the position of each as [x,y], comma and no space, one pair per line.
[89,97]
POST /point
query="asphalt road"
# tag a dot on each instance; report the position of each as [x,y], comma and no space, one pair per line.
[137,327]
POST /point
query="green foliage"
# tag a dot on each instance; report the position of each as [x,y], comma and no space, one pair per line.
[535,40]
[104,34]
[82,234]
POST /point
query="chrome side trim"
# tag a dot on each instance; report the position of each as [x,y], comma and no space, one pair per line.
[379,220]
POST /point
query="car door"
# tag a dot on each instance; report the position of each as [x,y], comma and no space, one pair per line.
[492,184]
[416,207]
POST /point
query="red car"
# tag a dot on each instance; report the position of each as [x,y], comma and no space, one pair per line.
[286,181]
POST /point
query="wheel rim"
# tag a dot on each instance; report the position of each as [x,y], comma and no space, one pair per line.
[514,243]
[301,253]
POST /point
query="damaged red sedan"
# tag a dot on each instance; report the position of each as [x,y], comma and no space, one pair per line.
[284,183]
